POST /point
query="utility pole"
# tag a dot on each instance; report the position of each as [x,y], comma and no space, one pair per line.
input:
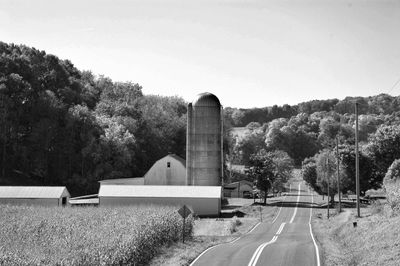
[357,166]
[338,173]
[327,179]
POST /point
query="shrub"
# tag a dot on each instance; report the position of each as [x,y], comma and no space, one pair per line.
[391,184]
[86,236]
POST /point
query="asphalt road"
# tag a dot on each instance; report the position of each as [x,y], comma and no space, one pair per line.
[287,240]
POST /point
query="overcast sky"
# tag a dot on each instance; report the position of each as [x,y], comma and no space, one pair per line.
[250,53]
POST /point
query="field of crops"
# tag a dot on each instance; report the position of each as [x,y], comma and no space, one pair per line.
[86,236]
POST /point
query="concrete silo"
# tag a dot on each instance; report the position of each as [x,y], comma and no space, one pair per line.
[204,141]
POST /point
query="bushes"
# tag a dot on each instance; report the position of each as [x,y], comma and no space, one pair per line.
[86,236]
[391,184]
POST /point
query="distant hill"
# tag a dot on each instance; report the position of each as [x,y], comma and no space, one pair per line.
[379,104]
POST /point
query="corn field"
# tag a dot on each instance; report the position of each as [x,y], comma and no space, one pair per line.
[86,236]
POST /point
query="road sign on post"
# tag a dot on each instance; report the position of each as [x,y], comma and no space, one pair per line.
[184,211]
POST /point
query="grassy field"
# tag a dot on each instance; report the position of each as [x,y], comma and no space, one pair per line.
[86,236]
[375,240]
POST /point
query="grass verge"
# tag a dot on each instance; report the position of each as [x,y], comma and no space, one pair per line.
[374,241]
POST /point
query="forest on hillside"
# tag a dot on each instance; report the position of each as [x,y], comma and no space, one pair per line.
[314,142]
[64,126]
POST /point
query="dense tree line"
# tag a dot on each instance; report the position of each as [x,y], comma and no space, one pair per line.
[310,140]
[63,126]
[382,104]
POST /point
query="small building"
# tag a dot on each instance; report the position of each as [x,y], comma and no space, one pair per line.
[238,189]
[35,195]
[203,200]
[169,170]
[87,200]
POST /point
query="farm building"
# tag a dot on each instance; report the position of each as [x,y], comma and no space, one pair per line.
[87,200]
[170,170]
[35,195]
[123,181]
[203,200]
[238,189]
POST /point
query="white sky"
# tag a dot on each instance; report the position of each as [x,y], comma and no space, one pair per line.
[250,53]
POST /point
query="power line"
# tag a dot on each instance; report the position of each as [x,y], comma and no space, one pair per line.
[394,85]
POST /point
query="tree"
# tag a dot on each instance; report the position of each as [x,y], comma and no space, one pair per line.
[368,179]
[261,169]
[252,143]
[284,166]
[309,173]
[326,168]
[384,148]
[391,184]
[269,170]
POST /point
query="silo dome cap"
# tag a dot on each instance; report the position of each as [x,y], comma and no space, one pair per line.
[206,99]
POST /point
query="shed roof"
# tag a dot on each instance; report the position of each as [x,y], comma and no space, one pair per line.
[23,192]
[160,191]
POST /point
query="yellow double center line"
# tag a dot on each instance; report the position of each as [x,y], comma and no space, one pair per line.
[260,249]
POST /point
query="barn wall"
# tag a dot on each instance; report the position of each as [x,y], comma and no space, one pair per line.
[160,174]
[201,206]
[38,202]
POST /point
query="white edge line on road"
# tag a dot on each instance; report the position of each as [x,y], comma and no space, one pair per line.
[233,241]
[260,248]
[202,253]
[295,210]
[312,236]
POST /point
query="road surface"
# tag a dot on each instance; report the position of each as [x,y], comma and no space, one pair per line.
[287,240]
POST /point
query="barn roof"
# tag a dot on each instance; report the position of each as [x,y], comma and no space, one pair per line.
[160,191]
[178,158]
[23,192]
[124,181]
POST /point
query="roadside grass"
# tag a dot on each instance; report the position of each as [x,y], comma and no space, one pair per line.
[374,241]
[208,232]
[33,235]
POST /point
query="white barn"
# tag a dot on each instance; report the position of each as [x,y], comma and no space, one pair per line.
[203,200]
[169,170]
[138,181]
[35,195]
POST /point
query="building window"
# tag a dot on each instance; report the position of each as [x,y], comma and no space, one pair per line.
[168,164]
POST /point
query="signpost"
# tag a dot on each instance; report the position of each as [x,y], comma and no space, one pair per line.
[184,211]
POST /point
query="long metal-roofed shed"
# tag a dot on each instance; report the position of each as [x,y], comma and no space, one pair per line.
[35,195]
[203,200]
